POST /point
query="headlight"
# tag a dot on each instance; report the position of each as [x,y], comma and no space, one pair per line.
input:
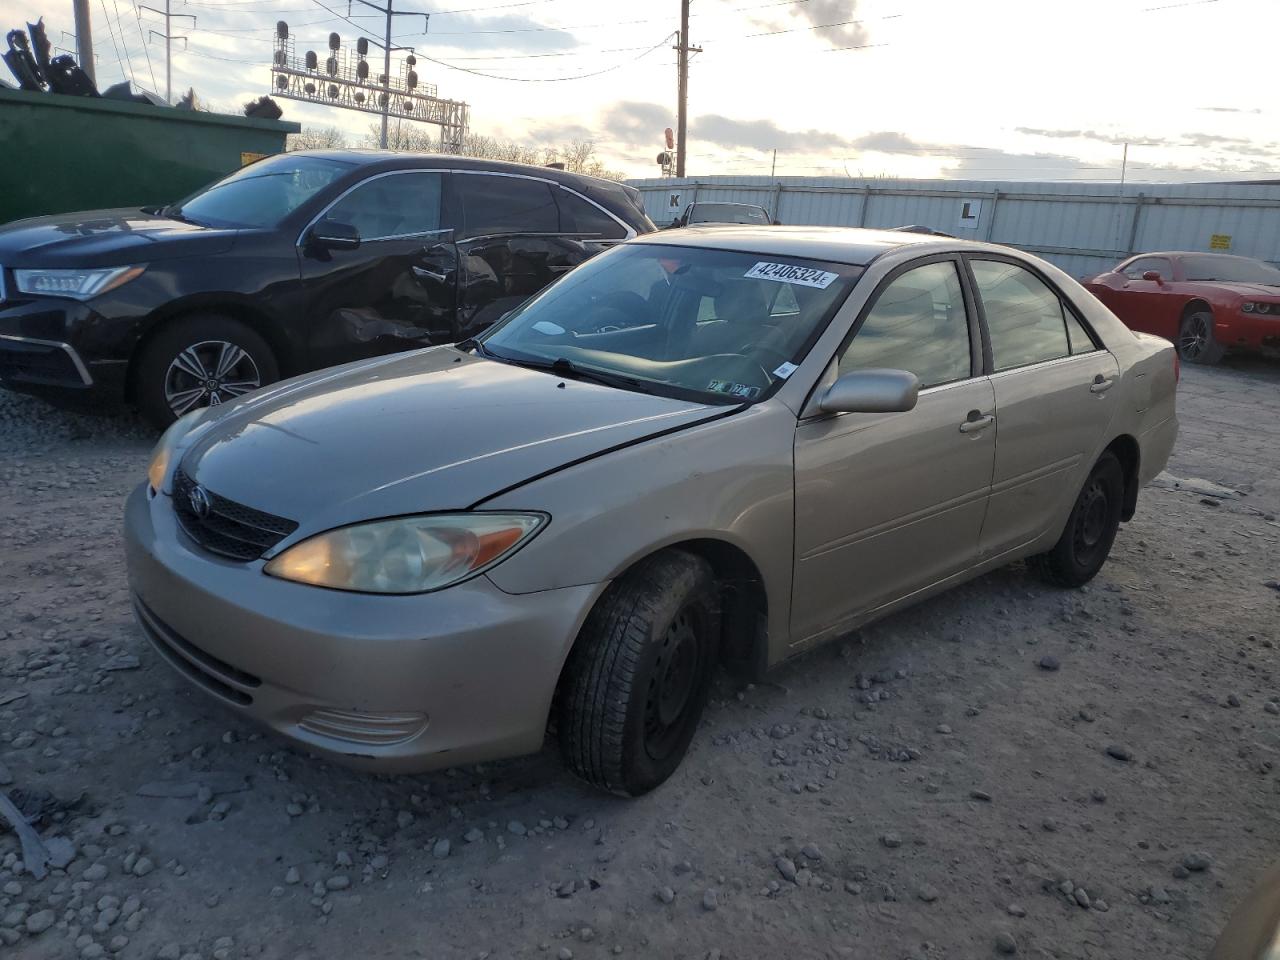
[1252,306]
[162,456]
[76,284]
[408,554]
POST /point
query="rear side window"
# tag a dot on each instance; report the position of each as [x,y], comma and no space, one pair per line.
[918,323]
[581,216]
[1025,319]
[492,204]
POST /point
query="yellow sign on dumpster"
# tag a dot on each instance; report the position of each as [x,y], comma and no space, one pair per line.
[1220,241]
[248,158]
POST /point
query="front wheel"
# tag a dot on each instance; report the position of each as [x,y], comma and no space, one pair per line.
[1091,529]
[640,673]
[1196,343]
[200,361]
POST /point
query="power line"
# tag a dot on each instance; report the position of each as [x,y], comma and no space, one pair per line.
[137,12]
[579,76]
[127,58]
[106,16]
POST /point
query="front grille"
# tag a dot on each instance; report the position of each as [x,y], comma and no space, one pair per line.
[37,363]
[229,529]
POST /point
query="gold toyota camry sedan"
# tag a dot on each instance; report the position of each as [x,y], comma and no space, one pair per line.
[705,447]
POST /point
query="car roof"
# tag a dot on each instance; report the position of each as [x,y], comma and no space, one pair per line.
[403,160]
[1189,253]
[850,245]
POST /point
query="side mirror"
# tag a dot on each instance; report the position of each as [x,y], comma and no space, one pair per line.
[334,235]
[1152,275]
[872,391]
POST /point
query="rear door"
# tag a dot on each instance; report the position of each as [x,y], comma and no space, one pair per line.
[511,244]
[397,290]
[1053,396]
[889,503]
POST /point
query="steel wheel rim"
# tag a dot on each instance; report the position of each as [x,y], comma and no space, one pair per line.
[1091,520]
[1194,337]
[209,373]
[672,687]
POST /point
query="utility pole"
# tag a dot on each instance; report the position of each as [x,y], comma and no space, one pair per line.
[84,39]
[682,111]
[168,41]
[387,53]
[773,168]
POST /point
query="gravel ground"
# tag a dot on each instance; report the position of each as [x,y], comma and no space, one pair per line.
[1004,769]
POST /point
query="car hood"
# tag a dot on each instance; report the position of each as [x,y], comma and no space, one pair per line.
[106,238]
[1243,289]
[437,429]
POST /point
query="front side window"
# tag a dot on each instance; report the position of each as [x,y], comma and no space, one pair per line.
[713,325]
[394,205]
[496,205]
[1137,268]
[261,194]
[918,323]
[583,217]
[1025,319]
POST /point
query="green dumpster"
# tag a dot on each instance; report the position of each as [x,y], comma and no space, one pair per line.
[59,153]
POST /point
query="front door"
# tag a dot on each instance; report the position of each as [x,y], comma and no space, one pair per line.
[887,504]
[511,244]
[1052,384]
[398,289]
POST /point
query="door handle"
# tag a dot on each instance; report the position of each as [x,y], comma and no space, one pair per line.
[1101,384]
[977,421]
[424,274]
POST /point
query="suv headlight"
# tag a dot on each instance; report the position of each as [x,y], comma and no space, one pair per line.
[76,284]
[407,554]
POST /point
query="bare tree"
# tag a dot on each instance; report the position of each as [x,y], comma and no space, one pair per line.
[578,156]
[316,138]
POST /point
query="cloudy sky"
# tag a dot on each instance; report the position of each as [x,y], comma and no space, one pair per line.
[987,89]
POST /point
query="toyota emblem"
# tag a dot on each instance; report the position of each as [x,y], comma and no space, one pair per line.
[199,500]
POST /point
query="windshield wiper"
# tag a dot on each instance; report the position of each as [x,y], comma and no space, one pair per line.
[564,367]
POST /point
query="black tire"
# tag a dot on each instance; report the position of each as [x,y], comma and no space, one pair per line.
[640,673]
[1091,529]
[1196,343]
[165,385]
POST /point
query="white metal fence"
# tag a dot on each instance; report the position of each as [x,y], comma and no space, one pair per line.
[1084,228]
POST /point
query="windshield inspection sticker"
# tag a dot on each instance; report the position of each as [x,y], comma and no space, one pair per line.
[790,273]
[734,389]
[786,370]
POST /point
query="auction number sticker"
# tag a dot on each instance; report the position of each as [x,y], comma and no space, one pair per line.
[790,273]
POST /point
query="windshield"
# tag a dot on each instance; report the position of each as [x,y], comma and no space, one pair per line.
[1231,270]
[261,194]
[711,325]
[727,213]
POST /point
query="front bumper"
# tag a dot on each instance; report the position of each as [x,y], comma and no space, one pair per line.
[52,343]
[388,683]
[1248,331]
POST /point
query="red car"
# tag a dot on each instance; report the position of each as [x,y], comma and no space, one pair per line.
[1206,303]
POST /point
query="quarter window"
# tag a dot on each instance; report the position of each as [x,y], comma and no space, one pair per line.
[580,216]
[1025,319]
[918,323]
[495,205]
[399,205]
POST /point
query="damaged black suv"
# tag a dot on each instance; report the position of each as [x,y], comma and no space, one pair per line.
[296,262]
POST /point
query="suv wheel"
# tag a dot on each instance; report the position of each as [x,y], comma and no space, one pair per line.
[640,674]
[197,362]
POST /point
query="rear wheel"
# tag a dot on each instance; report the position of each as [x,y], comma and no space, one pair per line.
[1091,529]
[640,673]
[200,361]
[1196,343]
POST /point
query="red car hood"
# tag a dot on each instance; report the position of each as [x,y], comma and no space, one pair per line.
[1242,289]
